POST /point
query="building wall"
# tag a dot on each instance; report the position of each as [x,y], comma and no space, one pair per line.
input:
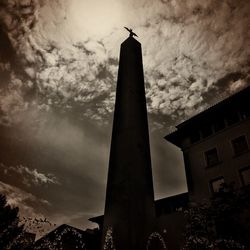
[228,166]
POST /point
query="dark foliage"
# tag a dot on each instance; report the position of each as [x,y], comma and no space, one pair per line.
[12,235]
[222,223]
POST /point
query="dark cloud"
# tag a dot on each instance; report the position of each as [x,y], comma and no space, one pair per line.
[66,160]
[168,171]
[7,52]
[29,205]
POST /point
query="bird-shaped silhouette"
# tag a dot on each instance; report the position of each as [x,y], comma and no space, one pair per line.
[131,33]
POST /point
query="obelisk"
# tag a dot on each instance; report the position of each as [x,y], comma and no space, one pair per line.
[129,209]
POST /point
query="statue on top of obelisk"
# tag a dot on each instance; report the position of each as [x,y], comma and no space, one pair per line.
[131,33]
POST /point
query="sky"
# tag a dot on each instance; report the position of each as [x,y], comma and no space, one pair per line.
[58,71]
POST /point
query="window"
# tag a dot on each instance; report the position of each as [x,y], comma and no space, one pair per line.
[240,145]
[232,118]
[245,176]
[244,113]
[195,136]
[216,184]
[219,124]
[212,157]
[206,131]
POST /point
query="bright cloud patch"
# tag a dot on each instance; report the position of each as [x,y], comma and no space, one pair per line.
[29,176]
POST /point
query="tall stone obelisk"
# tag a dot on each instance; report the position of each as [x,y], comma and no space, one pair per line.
[129,209]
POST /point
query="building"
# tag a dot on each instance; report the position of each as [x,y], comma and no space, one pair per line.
[169,221]
[215,146]
[68,238]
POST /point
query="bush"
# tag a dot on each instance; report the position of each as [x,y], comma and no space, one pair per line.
[222,223]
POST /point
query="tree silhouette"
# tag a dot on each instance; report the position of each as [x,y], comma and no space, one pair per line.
[11,232]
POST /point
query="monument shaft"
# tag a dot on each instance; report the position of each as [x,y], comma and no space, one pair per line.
[129,208]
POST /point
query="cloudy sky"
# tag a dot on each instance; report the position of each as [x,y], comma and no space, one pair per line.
[58,71]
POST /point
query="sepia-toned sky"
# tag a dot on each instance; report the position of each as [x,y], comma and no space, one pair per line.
[58,71]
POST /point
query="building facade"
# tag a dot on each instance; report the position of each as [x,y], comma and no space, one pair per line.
[215,146]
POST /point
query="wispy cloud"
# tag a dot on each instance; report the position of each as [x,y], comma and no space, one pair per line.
[28,176]
[22,199]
